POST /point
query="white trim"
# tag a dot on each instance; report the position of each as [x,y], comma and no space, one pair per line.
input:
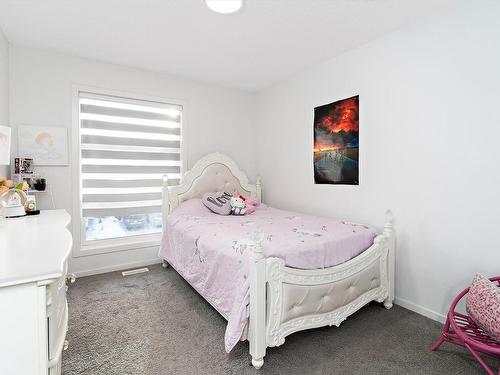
[112,245]
[97,101]
[135,242]
[428,313]
[77,183]
[117,267]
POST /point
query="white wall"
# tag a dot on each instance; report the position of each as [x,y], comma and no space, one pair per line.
[429,133]
[4,89]
[217,119]
[429,130]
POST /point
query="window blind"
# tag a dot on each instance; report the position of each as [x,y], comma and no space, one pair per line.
[126,146]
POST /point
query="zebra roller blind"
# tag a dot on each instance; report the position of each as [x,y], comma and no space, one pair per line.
[126,146]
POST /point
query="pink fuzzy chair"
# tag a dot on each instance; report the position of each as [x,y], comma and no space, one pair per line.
[461,330]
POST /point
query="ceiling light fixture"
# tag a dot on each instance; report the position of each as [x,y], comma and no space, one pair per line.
[224,6]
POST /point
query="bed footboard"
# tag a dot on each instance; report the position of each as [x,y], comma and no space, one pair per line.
[285,300]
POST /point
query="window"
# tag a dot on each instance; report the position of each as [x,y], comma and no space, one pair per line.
[126,146]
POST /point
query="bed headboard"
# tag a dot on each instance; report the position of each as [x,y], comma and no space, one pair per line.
[213,172]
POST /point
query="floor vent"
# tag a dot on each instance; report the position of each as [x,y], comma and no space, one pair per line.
[133,272]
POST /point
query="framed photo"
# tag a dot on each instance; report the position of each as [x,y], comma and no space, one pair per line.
[44,144]
[23,166]
[336,142]
[5,145]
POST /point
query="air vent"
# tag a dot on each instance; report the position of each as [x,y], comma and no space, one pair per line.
[133,272]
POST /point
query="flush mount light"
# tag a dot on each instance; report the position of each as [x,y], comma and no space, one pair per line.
[224,6]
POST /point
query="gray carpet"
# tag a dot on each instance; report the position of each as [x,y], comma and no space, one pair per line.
[155,323]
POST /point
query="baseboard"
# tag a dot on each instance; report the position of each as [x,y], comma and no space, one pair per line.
[118,267]
[123,266]
[420,310]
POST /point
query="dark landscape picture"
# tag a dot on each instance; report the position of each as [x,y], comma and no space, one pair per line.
[336,142]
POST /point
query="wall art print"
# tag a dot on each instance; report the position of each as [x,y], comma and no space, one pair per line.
[4,145]
[336,142]
[46,145]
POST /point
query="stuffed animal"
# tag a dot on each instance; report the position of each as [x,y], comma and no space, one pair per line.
[238,206]
[12,196]
[250,203]
[5,185]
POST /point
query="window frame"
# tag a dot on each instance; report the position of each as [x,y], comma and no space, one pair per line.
[140,241]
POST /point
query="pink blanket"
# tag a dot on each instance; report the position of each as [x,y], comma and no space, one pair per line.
[205,249]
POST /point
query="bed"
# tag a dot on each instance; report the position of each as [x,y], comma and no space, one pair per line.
[274,272]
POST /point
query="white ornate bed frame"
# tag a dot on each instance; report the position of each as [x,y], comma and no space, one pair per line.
[285,300]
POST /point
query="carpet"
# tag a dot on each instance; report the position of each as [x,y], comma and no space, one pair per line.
[154,323]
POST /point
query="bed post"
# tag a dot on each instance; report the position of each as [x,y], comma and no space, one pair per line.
[165,204]
[165,208]
[257,325]
[391,260]
[258,188]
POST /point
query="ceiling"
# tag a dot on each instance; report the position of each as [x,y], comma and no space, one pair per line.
[266,41]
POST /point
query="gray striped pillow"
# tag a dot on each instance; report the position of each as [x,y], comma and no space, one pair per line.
[218,202]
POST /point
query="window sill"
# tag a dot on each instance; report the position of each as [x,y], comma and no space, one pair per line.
[119,244]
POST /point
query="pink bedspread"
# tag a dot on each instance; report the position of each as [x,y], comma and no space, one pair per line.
[205,249]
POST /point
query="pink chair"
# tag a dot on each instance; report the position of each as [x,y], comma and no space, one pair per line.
[460,329]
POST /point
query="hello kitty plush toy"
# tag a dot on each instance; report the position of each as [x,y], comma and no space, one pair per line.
[250,203]
[238,206]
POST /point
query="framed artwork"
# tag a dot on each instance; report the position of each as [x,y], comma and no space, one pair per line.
[336,142]
[23,166]
[44,144]
[5,134]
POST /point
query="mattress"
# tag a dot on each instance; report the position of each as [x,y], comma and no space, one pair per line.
[209,251]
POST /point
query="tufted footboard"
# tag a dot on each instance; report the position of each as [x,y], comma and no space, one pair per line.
[285,300]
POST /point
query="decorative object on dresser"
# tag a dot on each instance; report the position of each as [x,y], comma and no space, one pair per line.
[37,187]
[33,274]
[23,166]
[335,292]
[30,207]
[40,184]
[5,184]
[34,182]
[46,144]
[461,329]
[12,199]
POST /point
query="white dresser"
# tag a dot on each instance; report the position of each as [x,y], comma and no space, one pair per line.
[34,251]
